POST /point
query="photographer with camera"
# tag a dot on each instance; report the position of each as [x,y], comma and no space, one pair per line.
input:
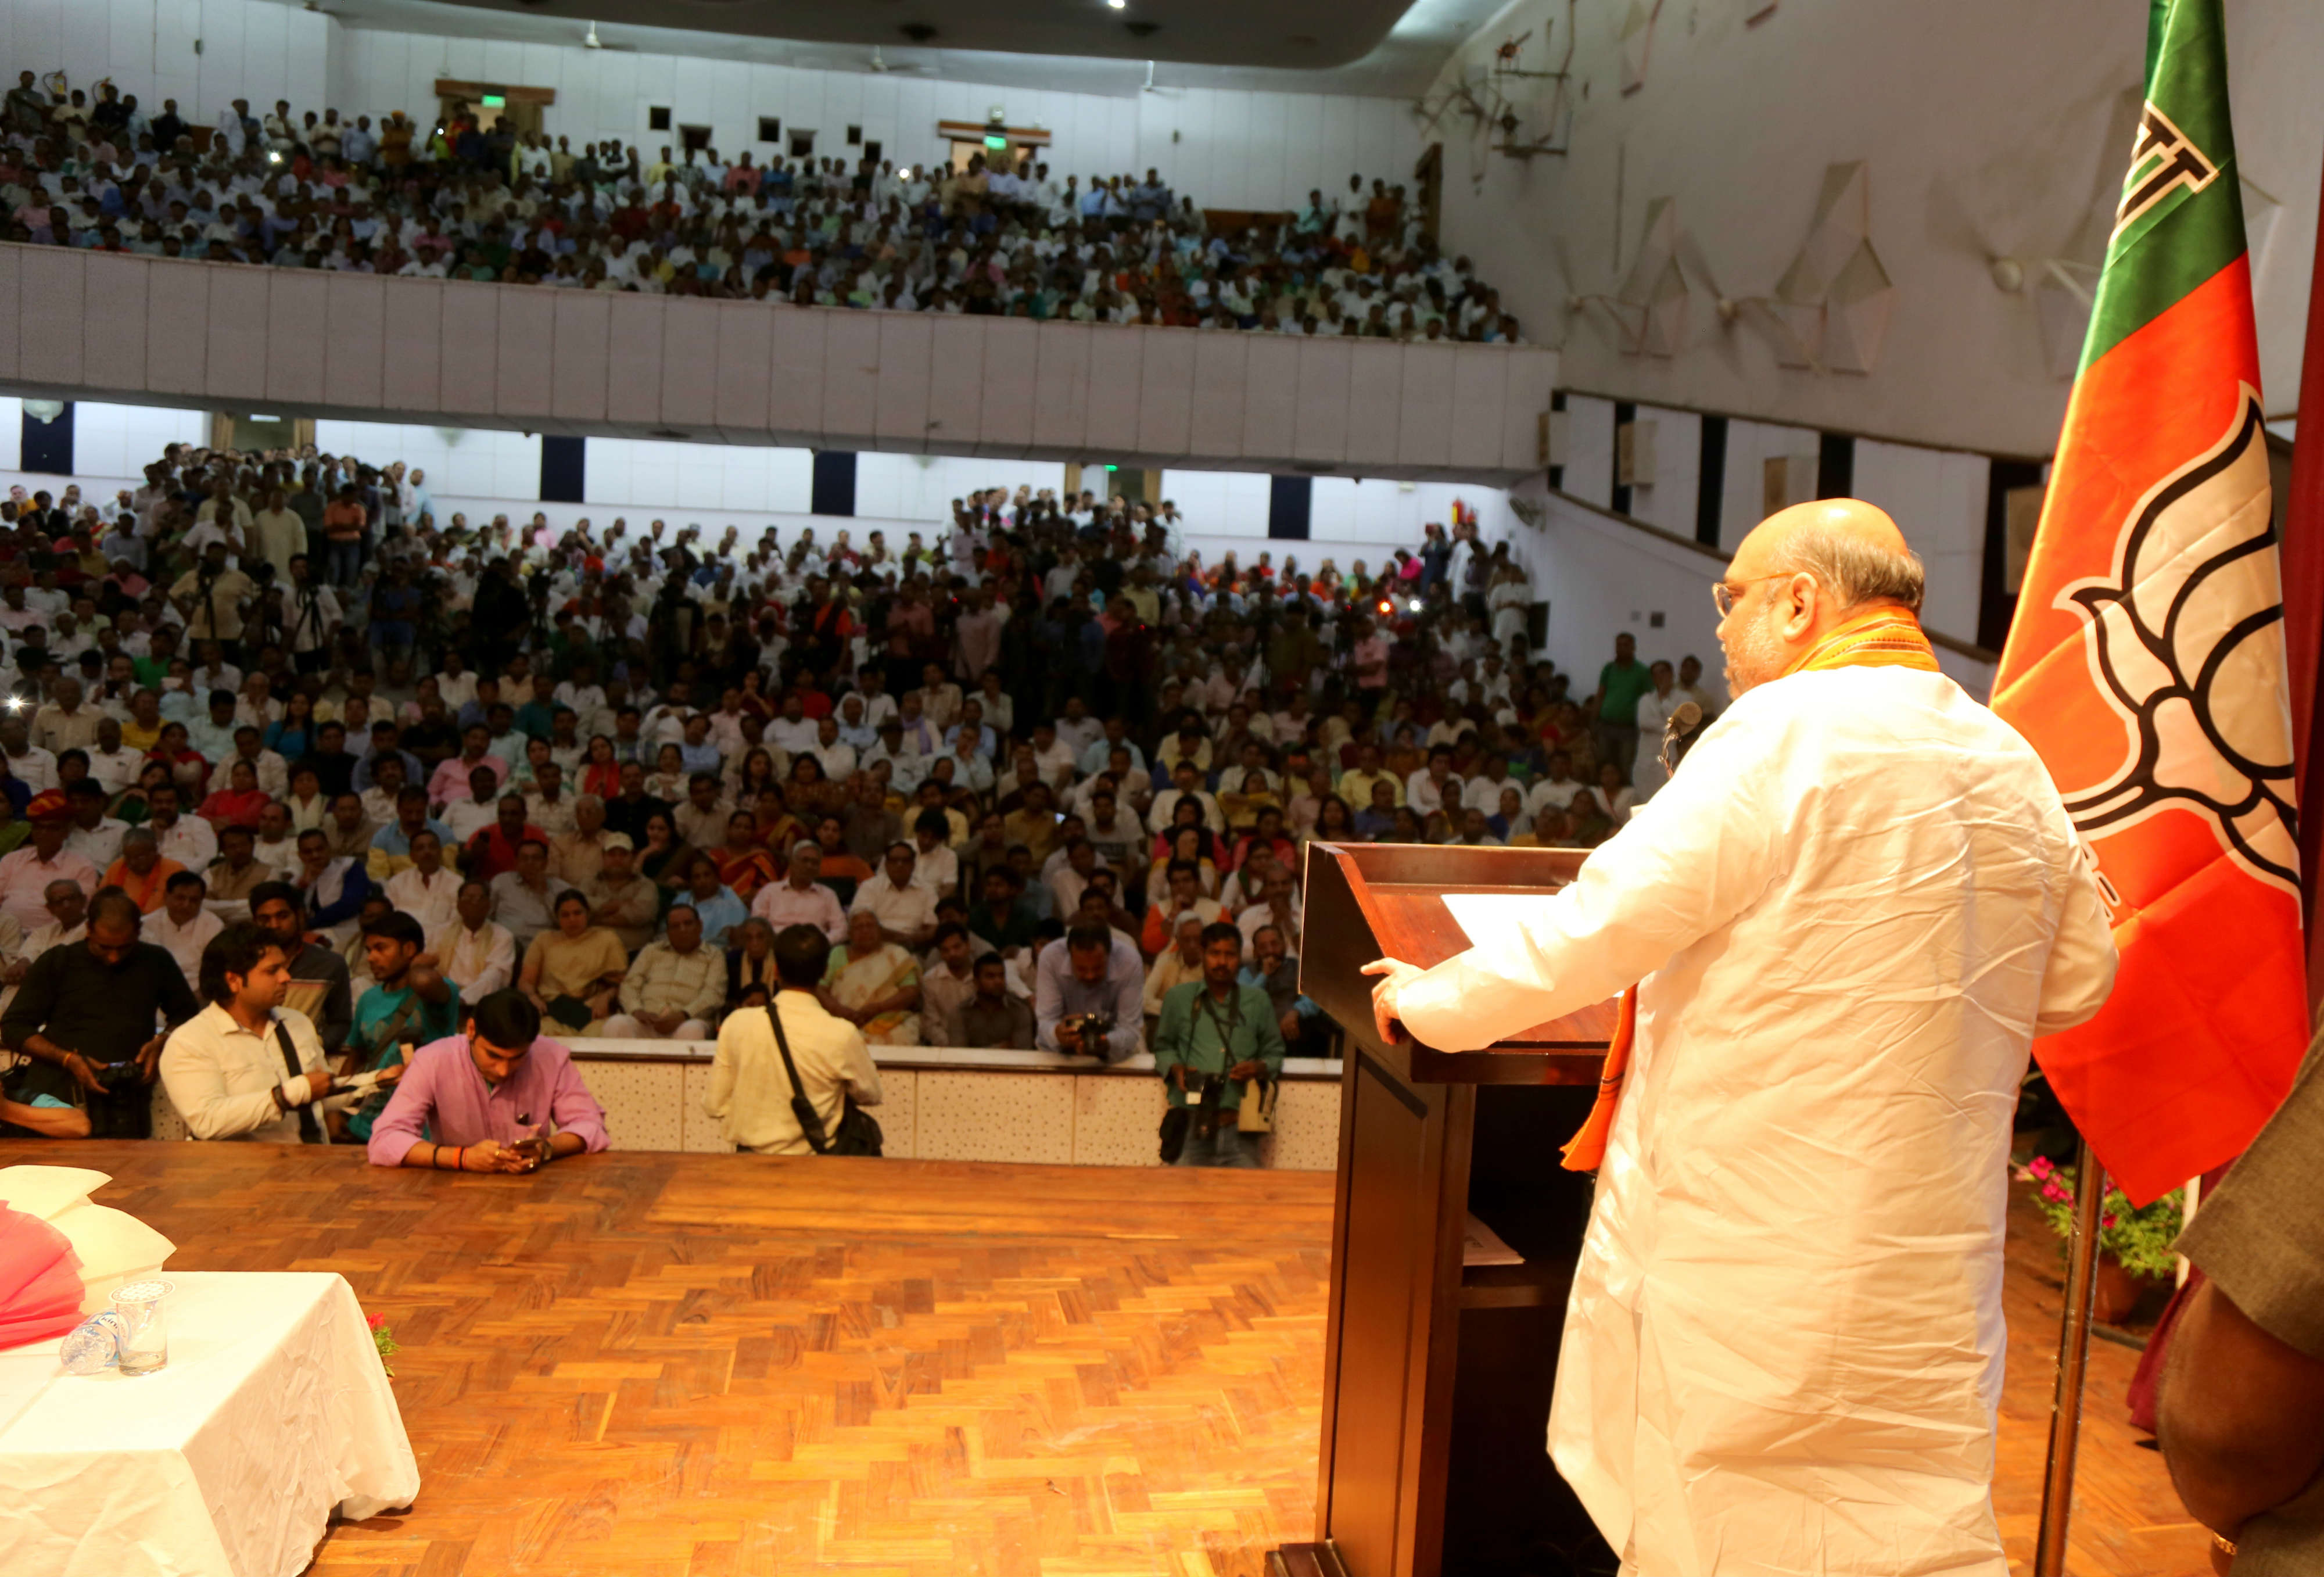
[87,1015]
[1086,989]
[1215,1038]
[211,597]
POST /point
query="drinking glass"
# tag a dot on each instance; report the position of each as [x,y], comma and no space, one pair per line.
[145,1344]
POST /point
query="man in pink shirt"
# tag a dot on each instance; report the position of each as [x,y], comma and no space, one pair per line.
[498,1098]
[26,873]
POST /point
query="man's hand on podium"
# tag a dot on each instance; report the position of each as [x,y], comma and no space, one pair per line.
[1399,974]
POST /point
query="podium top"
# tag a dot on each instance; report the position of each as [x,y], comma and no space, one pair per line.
[1387,900]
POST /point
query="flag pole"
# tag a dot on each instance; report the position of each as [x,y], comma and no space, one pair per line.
[2073,1364]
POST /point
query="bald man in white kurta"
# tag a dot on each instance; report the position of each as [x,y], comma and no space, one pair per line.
[1852,908]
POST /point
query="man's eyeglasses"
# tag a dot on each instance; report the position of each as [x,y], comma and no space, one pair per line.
[1725,594]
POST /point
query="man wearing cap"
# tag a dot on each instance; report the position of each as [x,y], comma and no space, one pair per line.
[25,875]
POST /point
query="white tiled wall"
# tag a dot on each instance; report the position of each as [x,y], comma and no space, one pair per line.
[474,463]
[1602,578]
[1669,503]
[1589,448]
[649,474]
[121,440]
[921,487]
[249,49]
[1750,445]
[360,349]
[1938,496]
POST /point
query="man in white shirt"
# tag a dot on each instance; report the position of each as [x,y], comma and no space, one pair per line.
[112,763]
[188,840]
[1707,1400]
[182,928]
[28,763]
[29,871]
[750,1091]
[1556,787]
[475,953]
[907,911]
[227,1069]
[424,889]
[94,837]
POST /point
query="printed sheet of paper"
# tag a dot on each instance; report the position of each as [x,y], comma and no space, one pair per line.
[1482,914]
[1482,1245]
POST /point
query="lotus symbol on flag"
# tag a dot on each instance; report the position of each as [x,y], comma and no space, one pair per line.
[2185,642]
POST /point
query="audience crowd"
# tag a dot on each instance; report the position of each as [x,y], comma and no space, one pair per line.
[458,199]
[1040,780]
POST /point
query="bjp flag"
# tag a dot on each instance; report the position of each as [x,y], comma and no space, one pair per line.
[2146,662]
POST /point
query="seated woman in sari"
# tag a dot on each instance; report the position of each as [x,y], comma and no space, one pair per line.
[752,771]
[779,829]
[572,972]
[1241,806]
[742,861]
[239,803]
[811,793]
[601,772]
[843,873]
[874,985]
[667,860]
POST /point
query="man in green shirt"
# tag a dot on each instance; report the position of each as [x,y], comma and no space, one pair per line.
[1217,1028]
[408,1006]
[1620,683]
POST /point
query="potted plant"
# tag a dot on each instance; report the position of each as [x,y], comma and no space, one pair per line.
[384,1338]
[2134,1245]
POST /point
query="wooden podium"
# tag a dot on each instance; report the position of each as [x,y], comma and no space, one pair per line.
[1438,1367]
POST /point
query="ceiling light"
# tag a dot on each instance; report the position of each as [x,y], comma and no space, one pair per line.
[1116,4]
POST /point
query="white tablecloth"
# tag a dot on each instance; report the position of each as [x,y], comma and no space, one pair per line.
[274,1413]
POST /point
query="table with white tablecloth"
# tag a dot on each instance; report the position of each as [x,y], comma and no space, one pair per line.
[273,1414]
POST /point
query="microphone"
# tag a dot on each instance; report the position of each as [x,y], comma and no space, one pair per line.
[1679,735]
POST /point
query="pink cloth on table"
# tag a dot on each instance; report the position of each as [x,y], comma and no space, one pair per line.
[39,1280]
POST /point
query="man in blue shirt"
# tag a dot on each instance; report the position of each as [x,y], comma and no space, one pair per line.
[1089,979]
[715,903]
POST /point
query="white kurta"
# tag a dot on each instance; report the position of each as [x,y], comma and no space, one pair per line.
[1853,909]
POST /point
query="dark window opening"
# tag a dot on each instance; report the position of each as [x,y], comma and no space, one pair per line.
[697,138]
[1710,480]
[770,128]
[802,144]
[855,136]
[657,118]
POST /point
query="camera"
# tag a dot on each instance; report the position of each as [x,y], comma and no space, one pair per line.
[1093,1028]
[1204,1098]
[113,1075]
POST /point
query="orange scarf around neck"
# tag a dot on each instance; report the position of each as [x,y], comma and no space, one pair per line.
[1887,636]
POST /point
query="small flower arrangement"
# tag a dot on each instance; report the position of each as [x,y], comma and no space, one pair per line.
[383,1337]
[2139,1240]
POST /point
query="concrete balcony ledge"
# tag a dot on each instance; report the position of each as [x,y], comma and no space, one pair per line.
[156,331]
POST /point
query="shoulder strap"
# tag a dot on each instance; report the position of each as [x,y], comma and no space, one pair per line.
[309,1131]
[386,1032]
[809,1120]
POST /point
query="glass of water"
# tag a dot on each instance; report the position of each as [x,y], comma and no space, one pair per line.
[145,1341]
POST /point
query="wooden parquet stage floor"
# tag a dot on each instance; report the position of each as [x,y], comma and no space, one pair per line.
[694,1365]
